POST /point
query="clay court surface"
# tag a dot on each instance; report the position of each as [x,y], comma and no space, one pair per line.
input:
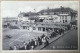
[17,37]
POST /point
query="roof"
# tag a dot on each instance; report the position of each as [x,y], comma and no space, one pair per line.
[52,25]
[24,14]
[59,23]
[63,14]
[47,11]
[56,10]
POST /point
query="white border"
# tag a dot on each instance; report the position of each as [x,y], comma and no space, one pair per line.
[42,50]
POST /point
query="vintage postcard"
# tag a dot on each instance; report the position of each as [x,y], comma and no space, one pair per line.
[40,25]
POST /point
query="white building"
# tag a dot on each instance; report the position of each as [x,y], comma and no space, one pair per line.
[63,15]
[65,18]
[24,17]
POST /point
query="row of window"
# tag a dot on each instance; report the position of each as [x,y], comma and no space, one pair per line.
[52,13]
[34,28]
[64,12]
[63,17]
[24,27]
[63,21]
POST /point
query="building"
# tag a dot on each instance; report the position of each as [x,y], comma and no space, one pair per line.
[61,14]
[27,17]
[40,27]
[47,19]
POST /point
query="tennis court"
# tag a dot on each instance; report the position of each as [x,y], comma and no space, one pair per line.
[18,37]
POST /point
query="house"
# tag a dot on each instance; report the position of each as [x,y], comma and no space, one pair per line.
[27,17]
[62,14]
[23,17]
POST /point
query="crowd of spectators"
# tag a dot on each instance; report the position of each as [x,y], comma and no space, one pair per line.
[40,40]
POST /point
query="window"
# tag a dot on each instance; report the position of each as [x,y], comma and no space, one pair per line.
[46,19]
[43,29]
[63,21]
[34,28]
[27,28]
[23,27]
[39,28]
[65,18]
[51,19]
[62,17]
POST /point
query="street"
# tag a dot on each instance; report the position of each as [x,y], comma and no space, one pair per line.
[68,41]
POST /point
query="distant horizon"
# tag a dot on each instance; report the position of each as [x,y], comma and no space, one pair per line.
[10,17]
[13,8]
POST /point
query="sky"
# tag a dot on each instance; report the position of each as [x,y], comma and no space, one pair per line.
[13,8]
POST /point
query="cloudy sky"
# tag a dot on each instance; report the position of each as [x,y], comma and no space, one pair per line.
[13,8]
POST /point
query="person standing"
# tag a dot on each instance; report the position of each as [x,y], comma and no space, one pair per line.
[47,42]
[60,31]
[15,48]
[36,42]
[32,44]
[18,47]
[10,48]
[44,40]
[28,45]
[39,41]
[42,36]
[24,45]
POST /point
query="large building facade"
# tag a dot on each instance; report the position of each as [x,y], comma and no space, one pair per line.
[37,21]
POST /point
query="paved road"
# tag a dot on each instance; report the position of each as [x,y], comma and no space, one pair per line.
[67,41]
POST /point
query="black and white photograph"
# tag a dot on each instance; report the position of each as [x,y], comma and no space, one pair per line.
[40,25]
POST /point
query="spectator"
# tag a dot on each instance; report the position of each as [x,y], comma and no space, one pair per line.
[56,31]
[53,34]
[42,36]
[39,41]
[15,48]
[63,31]
[43,40]
[28,46]
[25,45]
[46,43]
[18,47]
[60,31]
[32,44]
[10,48]
[36,42]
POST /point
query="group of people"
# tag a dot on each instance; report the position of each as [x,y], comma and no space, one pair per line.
[32,44]
[40,40]
[57,32]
